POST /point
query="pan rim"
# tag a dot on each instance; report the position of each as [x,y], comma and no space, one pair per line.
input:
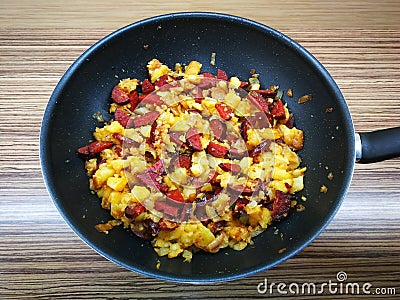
[282,38]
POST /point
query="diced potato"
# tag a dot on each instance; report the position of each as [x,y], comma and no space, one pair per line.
[254,138]
[202,236]
[298,184]
[189,192]
[243,109]
[281,174]
[196,170]
[245,164]
[292,137]
[115,197]
[180,125]
[225,178]
[280,185]
[157,69]
[134,135]
[140,193]
[232,99]
[255,215]
[266,218]
[253,207]
[299,172]
[206,188]
[179,175]
[117,183]
[238,233]
[255,172]
[193,68]
[115,127]
[101,175]
[268,133]
[91,166]
[234,82]
[145,130]
[137,163]
[117,165]
[128,84]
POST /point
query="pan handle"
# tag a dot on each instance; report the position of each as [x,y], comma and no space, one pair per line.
[377,145]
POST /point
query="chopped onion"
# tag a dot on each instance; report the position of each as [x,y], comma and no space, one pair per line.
[304,99]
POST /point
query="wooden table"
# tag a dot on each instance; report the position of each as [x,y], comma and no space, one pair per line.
[40,256]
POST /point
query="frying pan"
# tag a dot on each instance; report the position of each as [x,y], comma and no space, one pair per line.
[240,44]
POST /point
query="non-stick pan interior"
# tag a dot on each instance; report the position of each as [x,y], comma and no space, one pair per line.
[240,45]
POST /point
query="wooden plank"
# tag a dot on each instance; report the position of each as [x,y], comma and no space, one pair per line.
[40,257]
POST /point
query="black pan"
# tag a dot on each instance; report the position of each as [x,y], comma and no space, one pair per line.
[239,44]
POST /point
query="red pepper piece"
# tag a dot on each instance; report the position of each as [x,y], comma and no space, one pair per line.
[243,129]
[125,140]
[239,208]
[94,148]
[260,120]
[290,122]
[221,75]
[197,94]
[244,85]
[281,206]
[184,161]
[267,93]
[236,153]
[163,80]
[193,139]
[134,100]
[165,83]
[224,111]
[83,151]
[118,151]
[152,137]
[119,96]
[278,110]
[212,177]
[216,150]
[151,99]
[149,179]
[240,189]
[181,161]
[147,87]
[233,168]
[217,226]
[157,167]
[175,195]
[263,146]
[208,75]
[97,147]
[164,226]
[121,117]
[175,138]
[208,81]
[145,119]
[166,208]
[218,128]
[163,187]
[231,138]
[258,101]
[133,211]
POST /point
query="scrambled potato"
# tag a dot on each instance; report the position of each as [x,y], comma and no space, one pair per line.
[190,162]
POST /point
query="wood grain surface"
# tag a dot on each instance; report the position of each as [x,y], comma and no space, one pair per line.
[40,256]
